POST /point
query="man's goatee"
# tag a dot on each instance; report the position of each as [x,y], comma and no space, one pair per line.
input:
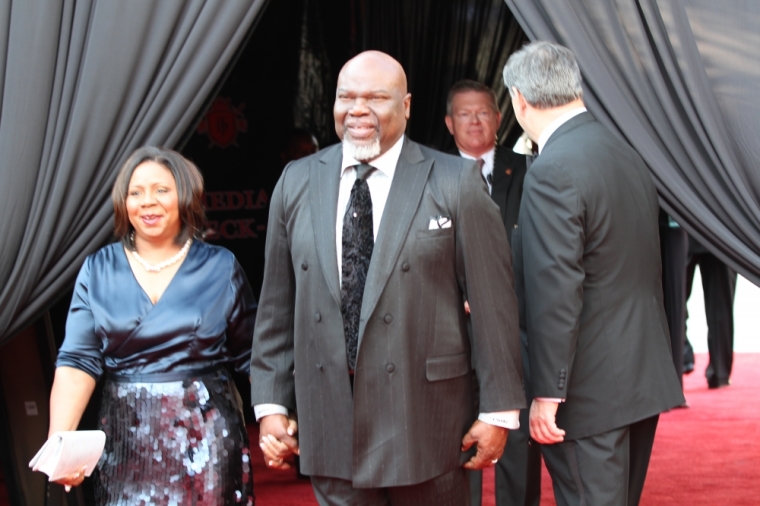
[363,153]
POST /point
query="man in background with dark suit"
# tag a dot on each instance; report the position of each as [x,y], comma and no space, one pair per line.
[674,244]
[587,261]
[473,119]
[362,331]
[719,286]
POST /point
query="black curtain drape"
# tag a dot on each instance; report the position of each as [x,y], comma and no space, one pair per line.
[315,92]
[82,84]
[439,42]
[678,80]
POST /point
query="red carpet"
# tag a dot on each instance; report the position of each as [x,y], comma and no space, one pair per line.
[708,454]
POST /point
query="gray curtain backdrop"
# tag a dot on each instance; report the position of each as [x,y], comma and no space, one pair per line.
[678,79]
[82,84]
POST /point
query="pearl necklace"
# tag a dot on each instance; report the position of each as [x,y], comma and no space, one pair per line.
[166,263]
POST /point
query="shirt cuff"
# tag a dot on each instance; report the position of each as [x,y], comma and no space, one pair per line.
[506,419]
[549,399]
[262,410]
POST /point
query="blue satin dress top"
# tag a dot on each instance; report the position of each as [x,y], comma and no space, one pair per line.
[175,432]
[204,318]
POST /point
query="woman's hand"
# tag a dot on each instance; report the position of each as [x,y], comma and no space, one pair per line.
[72,480]
[278,440]
[274,450]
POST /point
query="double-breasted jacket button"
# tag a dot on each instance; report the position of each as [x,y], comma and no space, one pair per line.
[305,266]
[390,367]
[317,317]
[387,318]
[405,266]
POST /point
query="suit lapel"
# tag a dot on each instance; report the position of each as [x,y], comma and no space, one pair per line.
[324,183]
[403,200]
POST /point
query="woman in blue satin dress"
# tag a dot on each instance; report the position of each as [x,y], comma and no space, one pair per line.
[159,314]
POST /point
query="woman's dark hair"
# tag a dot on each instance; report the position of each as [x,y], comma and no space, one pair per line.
[189,183]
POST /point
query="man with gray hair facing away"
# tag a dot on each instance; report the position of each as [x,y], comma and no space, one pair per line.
[587,263]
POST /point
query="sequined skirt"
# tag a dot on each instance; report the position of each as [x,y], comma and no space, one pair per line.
[174,443]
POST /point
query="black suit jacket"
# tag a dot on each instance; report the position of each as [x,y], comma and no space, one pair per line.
[413,398]
[509,170]
[587,256]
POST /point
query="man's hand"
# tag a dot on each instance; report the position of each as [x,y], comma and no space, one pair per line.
[543,426]
[490,440]
[277,440]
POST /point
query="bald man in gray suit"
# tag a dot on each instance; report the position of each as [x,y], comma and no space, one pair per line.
[395,427]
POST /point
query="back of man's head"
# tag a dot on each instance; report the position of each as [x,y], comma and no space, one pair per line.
[546,74]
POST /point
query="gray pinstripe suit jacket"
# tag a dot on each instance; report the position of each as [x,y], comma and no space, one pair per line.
[412,399]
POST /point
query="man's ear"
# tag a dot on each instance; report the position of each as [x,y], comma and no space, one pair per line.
[518,100]
[449,123]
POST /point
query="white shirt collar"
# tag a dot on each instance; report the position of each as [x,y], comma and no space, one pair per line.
[554,125]
[487,157]
[385,163]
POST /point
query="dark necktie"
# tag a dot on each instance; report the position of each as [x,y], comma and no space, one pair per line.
[489,178]
[358,242]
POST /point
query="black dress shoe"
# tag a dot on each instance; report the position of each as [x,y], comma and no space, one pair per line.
[688,368]
[713,384]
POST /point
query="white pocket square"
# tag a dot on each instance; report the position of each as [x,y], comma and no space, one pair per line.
[437,222]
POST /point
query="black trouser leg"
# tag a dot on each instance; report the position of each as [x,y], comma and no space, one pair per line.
[674,249]
[719,283]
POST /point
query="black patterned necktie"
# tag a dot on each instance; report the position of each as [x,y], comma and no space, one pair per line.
[358,242]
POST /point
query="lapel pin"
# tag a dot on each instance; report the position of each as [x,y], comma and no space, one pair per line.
[508,172]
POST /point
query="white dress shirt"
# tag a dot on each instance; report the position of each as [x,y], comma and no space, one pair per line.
[379,182]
